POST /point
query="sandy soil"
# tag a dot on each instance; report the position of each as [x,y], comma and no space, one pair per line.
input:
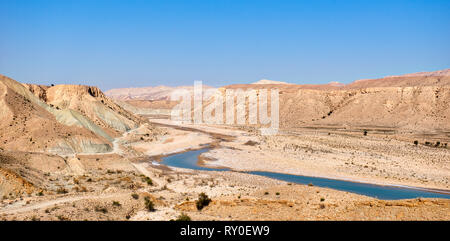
[174,141]
[116,186]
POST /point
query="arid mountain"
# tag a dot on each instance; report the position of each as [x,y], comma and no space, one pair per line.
[147,93]
[151,100]
[445,72]
[269,82]
[437,78]
[90,102]
[416,102]
[61,119]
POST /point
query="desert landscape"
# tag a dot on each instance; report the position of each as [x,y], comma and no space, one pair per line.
[74,152]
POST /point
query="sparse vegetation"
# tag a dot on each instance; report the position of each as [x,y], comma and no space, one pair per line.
[135,196]
[148,180]
[116,203]
[183,217]
[149,205]
[203,201]
[61,190]
[416,142]
[101,209]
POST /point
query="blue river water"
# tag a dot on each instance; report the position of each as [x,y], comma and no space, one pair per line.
[189,160]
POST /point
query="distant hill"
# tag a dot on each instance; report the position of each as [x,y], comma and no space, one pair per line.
[269,82]
[416,102]
[436,78]
[147,93]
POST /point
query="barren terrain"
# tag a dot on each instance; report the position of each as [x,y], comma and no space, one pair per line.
[72,153]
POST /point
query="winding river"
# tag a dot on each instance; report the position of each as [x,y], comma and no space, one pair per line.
[189,160]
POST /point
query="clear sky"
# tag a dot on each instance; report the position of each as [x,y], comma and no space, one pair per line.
[114,44]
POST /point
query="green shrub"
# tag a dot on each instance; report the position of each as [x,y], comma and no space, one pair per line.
[135,196]
[203,201]
[148,180]
[149,205]
[116,203]
[183,217]
[101,209]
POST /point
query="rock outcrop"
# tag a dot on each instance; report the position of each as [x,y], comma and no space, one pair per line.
[63,119]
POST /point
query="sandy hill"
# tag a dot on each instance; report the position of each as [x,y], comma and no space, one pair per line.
[60,119]
[445,72]
[436,78]
[416,102]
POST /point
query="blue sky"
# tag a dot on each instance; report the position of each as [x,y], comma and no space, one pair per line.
[114,44]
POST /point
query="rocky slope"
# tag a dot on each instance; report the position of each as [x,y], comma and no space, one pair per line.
[60,119]
[416,102]
[90,102]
